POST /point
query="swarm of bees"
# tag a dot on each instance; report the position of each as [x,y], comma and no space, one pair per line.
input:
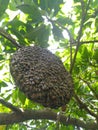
[41,76]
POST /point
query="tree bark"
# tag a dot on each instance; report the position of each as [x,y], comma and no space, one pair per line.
[14,117]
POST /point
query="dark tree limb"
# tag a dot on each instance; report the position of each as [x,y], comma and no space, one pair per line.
[19,116]
[9,37]
[9,105]
[10,118]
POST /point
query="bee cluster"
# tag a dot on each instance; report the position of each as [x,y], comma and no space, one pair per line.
[41,76]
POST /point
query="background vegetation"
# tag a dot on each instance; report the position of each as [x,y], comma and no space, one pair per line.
[73,36]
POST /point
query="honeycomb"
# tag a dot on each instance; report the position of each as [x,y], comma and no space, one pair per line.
[41,76]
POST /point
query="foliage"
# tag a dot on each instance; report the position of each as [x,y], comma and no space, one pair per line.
[72,35]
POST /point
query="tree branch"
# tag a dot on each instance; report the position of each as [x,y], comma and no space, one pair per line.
[60,25]
[71,39]
[83,15]
[9,37]
[9,105]
[10,118]
[83,105]
[90,87]
[91,41]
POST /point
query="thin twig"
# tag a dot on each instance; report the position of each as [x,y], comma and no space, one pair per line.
[61,26]
[9,37]
[84,13]
[71,40]
[84,106]
[69,34]
[82,42]
[89,85]
[9,105]
[91,41]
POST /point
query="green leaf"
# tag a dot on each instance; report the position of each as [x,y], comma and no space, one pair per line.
[16,23]
[96,24]
[1,57]
[18,30]
[3,6]
[2,84]
[1,66]
[95,56]
[39,35]
[57,32]
[9,47]
[51,6]
[21,97]
[19,35]
[32,11]
[64,20]
[85,54]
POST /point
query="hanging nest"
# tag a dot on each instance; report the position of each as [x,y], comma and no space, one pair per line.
[41,76]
